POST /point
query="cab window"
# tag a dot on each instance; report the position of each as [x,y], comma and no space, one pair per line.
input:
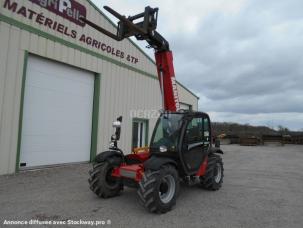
[194,131]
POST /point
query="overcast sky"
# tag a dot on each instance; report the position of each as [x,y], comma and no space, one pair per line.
[243,58]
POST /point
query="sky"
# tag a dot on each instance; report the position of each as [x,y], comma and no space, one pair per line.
[243,58]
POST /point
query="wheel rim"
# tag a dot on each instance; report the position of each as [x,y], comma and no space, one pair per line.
[167,188]
[218,173]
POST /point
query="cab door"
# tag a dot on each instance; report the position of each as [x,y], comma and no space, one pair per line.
[196,142]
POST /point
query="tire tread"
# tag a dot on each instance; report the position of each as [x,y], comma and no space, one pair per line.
[96,182]
[207,181]
[147,190]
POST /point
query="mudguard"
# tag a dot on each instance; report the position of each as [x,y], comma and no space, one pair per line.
[215,150]
[155,162]
[113,157]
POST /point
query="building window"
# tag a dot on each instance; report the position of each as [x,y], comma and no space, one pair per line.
[140,133]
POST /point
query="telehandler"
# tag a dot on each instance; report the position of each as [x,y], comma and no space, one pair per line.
[181,144]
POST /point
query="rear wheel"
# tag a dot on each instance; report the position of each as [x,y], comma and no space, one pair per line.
[158,189]
[102,183]
[213,178]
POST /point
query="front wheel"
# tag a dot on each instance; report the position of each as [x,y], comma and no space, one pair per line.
[102,183]
[213,178]
[158,189]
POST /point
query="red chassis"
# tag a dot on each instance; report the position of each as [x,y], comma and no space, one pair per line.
[136,171]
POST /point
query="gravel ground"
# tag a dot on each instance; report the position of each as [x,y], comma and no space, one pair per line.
[263,187]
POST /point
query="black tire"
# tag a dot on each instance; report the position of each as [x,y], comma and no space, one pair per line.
[158,190]
[213,178]
[102,183]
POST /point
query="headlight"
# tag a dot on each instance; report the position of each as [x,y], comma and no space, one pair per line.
[116,124]
[163,149]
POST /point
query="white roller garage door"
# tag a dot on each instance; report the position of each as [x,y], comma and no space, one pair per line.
[57,114]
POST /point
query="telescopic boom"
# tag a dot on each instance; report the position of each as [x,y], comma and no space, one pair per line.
[146,30]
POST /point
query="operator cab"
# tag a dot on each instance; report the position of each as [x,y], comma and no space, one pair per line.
[184,136]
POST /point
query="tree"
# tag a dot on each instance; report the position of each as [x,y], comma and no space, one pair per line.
[283,130]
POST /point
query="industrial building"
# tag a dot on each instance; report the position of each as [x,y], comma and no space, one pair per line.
[63,83]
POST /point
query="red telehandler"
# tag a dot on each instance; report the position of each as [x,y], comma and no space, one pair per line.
[181,146]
